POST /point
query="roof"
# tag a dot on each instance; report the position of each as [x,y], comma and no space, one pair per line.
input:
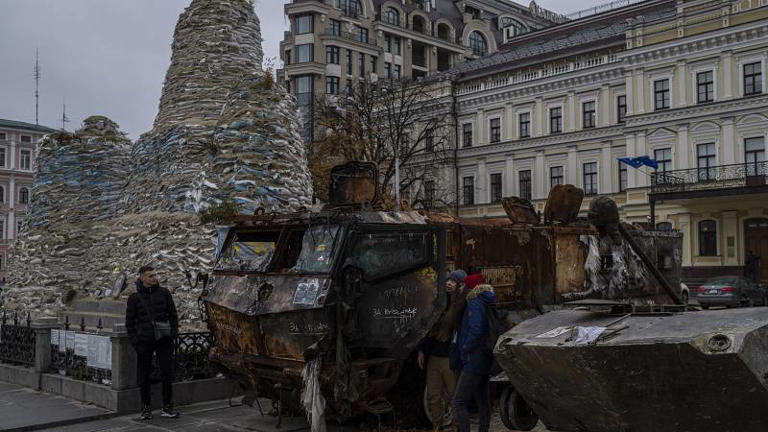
[567,38]
[13,124]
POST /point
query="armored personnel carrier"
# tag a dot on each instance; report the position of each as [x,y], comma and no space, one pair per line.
[347,292]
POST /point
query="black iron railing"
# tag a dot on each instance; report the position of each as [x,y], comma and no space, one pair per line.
[70,358]
[190,359]
[17,341]
[710,178]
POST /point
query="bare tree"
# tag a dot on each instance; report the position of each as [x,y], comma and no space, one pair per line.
[404,127]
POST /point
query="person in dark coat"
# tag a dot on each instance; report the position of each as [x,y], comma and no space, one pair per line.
[151,307]
[476,359]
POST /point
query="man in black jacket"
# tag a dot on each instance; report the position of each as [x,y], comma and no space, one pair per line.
[150,310]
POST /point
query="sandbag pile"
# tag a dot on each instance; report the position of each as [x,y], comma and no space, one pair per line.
[224,132]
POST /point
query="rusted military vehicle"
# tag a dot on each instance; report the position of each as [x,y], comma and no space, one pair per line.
[352,289]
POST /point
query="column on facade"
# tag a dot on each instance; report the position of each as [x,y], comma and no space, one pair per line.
[573,166]
[481,127]
[571,120]
[682,82]
[481,186]
[727,81]
[509,176]
[538,117]
[604,101]
[629,91]
[509,122]
[606,170]
[681,156]
[631,152]
[729,145]
[540,188]
[730,234]
[684,222]
[12,156]
[640,90]
[641,149]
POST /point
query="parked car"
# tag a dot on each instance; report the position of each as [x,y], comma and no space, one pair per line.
[731,291]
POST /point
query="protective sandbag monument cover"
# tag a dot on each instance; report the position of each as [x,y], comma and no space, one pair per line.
[102,205]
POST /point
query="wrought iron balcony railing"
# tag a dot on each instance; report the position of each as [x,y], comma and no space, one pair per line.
[710,178]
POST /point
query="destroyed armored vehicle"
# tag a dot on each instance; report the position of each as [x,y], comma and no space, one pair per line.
[351,290]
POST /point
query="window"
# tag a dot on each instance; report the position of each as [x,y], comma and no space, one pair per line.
[524,178]
[361,64]
[26,139]
[466,134]
[332,85]
[556,120]
[588,114]
[555,176]
[373,64]
[398,71]
[429,193]
[621,108]
[288,57]
[362,34]
[335,27]
[2,194]
[349,86]
[706,162]
[350,8]
[2,229]
[2,136]
[705,87]
[26,159]
[495,188]
[387,43]
[2,156]
[622,177]
[392,16]
[495,130]
[387,70]
[23,195]
[664,226]
[349,62]
[398,46]
[385,254]
[753,79]
[18,227]
[755,156]
[477,43]
[707,238]
[332,55]
[663,157]
[661,94]
[525,125]
[429,140]
[304,24]
[468,189]
[590,178]
[304,53]
[304,90]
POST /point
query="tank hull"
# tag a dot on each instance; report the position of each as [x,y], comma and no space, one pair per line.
[691,371]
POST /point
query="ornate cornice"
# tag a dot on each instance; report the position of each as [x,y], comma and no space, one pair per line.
[717,109]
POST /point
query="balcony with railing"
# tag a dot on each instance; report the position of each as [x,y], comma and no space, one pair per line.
[720,180]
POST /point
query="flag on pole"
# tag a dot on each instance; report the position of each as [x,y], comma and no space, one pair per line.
[637,162]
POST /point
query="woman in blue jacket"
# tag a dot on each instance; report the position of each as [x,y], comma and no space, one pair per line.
[476,359]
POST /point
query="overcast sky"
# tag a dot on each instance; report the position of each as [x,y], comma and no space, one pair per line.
[109,57]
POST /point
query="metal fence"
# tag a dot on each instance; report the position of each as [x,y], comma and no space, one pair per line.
[191,356]
[17,341]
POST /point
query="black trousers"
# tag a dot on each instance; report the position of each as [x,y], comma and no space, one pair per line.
[164,350]
[469,387]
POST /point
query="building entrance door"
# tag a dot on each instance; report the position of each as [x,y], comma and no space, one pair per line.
[756,240]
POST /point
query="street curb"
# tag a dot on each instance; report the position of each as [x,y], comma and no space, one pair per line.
[62,423]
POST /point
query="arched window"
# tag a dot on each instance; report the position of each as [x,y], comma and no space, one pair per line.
[707,238]
[23,196]
[418,24]
[512,26]
[392,16]
[664,226]
[443,32]
[478,43]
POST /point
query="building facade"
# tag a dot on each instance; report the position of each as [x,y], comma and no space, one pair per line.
[682,81]
[18,142]
[334,44]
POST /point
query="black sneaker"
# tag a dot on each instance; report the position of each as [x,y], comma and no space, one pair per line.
[169,412]
[146,413]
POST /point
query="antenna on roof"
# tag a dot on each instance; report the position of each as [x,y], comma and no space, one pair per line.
[64,118]
[36,75]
